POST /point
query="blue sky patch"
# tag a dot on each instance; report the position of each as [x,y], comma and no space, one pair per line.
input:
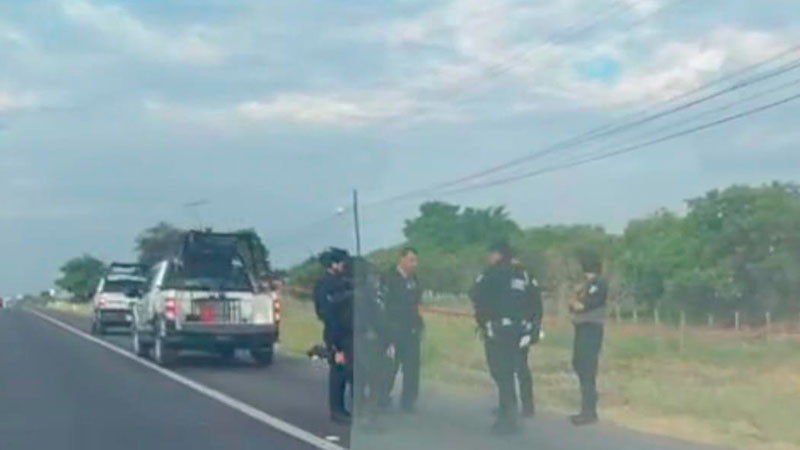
[604,70]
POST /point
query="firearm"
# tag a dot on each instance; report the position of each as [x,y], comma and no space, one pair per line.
[319,352]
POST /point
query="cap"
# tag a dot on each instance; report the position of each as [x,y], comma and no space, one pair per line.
[333,256]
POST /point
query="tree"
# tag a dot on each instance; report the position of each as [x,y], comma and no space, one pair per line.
[158,242]
[448,228]
[80,276]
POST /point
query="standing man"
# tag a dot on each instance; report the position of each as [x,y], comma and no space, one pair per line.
[333,302]
[504,308]
[533,327]
[371,340]
[403,294]
[588,315]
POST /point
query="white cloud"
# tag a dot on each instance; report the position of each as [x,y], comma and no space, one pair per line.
[355,108]
[194,45]
[13,36]
[519,56]
[528,48]
[17,101]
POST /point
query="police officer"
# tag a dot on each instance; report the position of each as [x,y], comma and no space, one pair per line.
[532,326]
[588,315]
[333,302]
[506,315]
[371,339]
[403,294]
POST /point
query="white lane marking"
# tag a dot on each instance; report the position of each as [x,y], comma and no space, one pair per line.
[257,414]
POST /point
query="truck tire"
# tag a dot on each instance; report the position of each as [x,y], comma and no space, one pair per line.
[163,355]
[263,356]
[97,328]
[139,348]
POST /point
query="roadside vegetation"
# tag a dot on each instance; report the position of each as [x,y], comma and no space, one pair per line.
[714,369]
[733,253]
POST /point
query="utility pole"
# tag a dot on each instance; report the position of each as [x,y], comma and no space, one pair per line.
[356,222]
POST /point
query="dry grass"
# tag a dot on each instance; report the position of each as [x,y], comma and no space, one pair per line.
[733,390]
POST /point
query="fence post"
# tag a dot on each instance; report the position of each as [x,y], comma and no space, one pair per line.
[635,316]
[656,317]
[617,312]
[710,321]
[683,330]
[736,320]
[769,325]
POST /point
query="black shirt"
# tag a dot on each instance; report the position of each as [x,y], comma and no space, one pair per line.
[402,296]
[333,302]
[506,291]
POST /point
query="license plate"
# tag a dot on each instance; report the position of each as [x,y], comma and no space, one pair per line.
[208,314]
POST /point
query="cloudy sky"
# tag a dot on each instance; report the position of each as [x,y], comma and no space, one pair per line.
[116,113]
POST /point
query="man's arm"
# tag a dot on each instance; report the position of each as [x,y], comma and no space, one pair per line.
[478,296]
[536,310]
[320,300]
[596,294]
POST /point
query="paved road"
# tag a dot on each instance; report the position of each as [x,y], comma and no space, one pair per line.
[58,390]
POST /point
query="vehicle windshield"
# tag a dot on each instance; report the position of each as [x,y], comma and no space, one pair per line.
[209,266]
[123,286]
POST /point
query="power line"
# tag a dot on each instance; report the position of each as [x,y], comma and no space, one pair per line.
[610,129]
[719,109]
[629,149]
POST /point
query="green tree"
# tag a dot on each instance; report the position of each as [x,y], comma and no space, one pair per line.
[158,242]
[450,228]
[80,276]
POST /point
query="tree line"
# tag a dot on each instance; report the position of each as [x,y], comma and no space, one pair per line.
[736,249]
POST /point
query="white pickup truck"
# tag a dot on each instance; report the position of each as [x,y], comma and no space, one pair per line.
[207,298]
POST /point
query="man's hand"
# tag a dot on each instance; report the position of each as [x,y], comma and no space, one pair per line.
[339,358]
[525,341]
[576,306]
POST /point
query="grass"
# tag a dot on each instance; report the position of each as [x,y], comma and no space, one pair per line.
[728,390]
[81,309]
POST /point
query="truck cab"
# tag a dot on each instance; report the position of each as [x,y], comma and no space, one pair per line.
[208,298]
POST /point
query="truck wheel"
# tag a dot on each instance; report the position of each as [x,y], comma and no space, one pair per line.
[97,328]
[139,348]
[263,356]
[163,355]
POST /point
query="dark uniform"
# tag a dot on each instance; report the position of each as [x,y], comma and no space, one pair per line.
[523,370]
[371,338]
[333,301]
[403,295]
[587,344]
[507,308]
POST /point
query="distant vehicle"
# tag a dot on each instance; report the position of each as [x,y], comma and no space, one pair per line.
[1,302]
[118,291]
[211,297]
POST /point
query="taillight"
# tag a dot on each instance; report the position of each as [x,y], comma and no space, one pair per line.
[101,303]
[171,309]
[276,307]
